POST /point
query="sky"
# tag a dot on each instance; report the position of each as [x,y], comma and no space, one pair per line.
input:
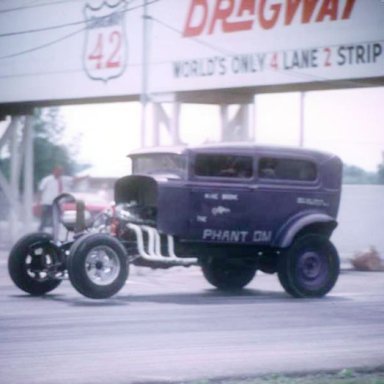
[349,123]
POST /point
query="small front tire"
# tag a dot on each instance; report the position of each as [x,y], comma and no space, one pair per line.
[97,266]
[310,267]
[31,262]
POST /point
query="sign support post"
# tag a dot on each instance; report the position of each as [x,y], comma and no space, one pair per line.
[144,78]
[302,119]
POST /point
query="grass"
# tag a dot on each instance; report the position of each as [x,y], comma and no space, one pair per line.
[345,376]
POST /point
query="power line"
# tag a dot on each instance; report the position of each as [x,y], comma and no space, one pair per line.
[60,39]
[54,72]
[199,41]
[65,25]
[51,28]
[46,45]
[24,7]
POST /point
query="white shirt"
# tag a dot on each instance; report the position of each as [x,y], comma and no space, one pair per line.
[50,187]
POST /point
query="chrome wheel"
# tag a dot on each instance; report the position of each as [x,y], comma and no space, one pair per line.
[98,265]
[102,265]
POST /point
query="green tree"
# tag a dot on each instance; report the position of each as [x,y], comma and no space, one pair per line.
[356,175]
[49,146]
[380,172]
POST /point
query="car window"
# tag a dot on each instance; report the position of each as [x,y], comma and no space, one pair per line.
[164,163]
[287,169]
[213,165]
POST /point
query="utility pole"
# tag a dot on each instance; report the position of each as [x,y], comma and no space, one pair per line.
[28,173]
[144,77]
[302,119]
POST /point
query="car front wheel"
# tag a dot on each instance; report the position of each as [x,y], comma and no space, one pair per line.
[310,267]
[97,266]
[33,263]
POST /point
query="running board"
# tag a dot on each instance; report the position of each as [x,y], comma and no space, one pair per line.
[152,251]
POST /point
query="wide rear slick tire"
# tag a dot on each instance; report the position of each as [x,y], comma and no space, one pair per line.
[310,267]
[97,266]
[30,261]
[227,274]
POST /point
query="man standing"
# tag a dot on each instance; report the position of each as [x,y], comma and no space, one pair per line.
[49,188]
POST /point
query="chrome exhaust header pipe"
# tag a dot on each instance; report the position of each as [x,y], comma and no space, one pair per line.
[153,250]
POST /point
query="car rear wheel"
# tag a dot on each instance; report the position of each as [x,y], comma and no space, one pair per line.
[228,274]
[32,263]
[310,267]
[98,266]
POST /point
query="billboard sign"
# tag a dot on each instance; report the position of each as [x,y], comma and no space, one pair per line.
[93,48]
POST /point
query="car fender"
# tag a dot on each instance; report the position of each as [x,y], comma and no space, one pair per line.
[319,222]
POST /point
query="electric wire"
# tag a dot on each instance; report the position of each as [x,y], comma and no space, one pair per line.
[32,5]
[45,29]
[65,25]
[65,37]
[197,40]
[42,46]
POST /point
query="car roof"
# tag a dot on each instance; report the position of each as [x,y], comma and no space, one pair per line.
[178,150]
[239,147]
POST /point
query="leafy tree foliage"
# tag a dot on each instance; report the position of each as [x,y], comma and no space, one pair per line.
[380,172]
[49,146]
[356,175]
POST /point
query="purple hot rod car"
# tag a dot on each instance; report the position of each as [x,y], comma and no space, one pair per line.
[231,209]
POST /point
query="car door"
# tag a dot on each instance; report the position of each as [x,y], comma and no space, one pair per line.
[219,198]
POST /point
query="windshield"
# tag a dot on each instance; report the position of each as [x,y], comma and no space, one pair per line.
[160,163]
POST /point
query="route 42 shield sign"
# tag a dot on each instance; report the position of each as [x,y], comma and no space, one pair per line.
[105,50]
